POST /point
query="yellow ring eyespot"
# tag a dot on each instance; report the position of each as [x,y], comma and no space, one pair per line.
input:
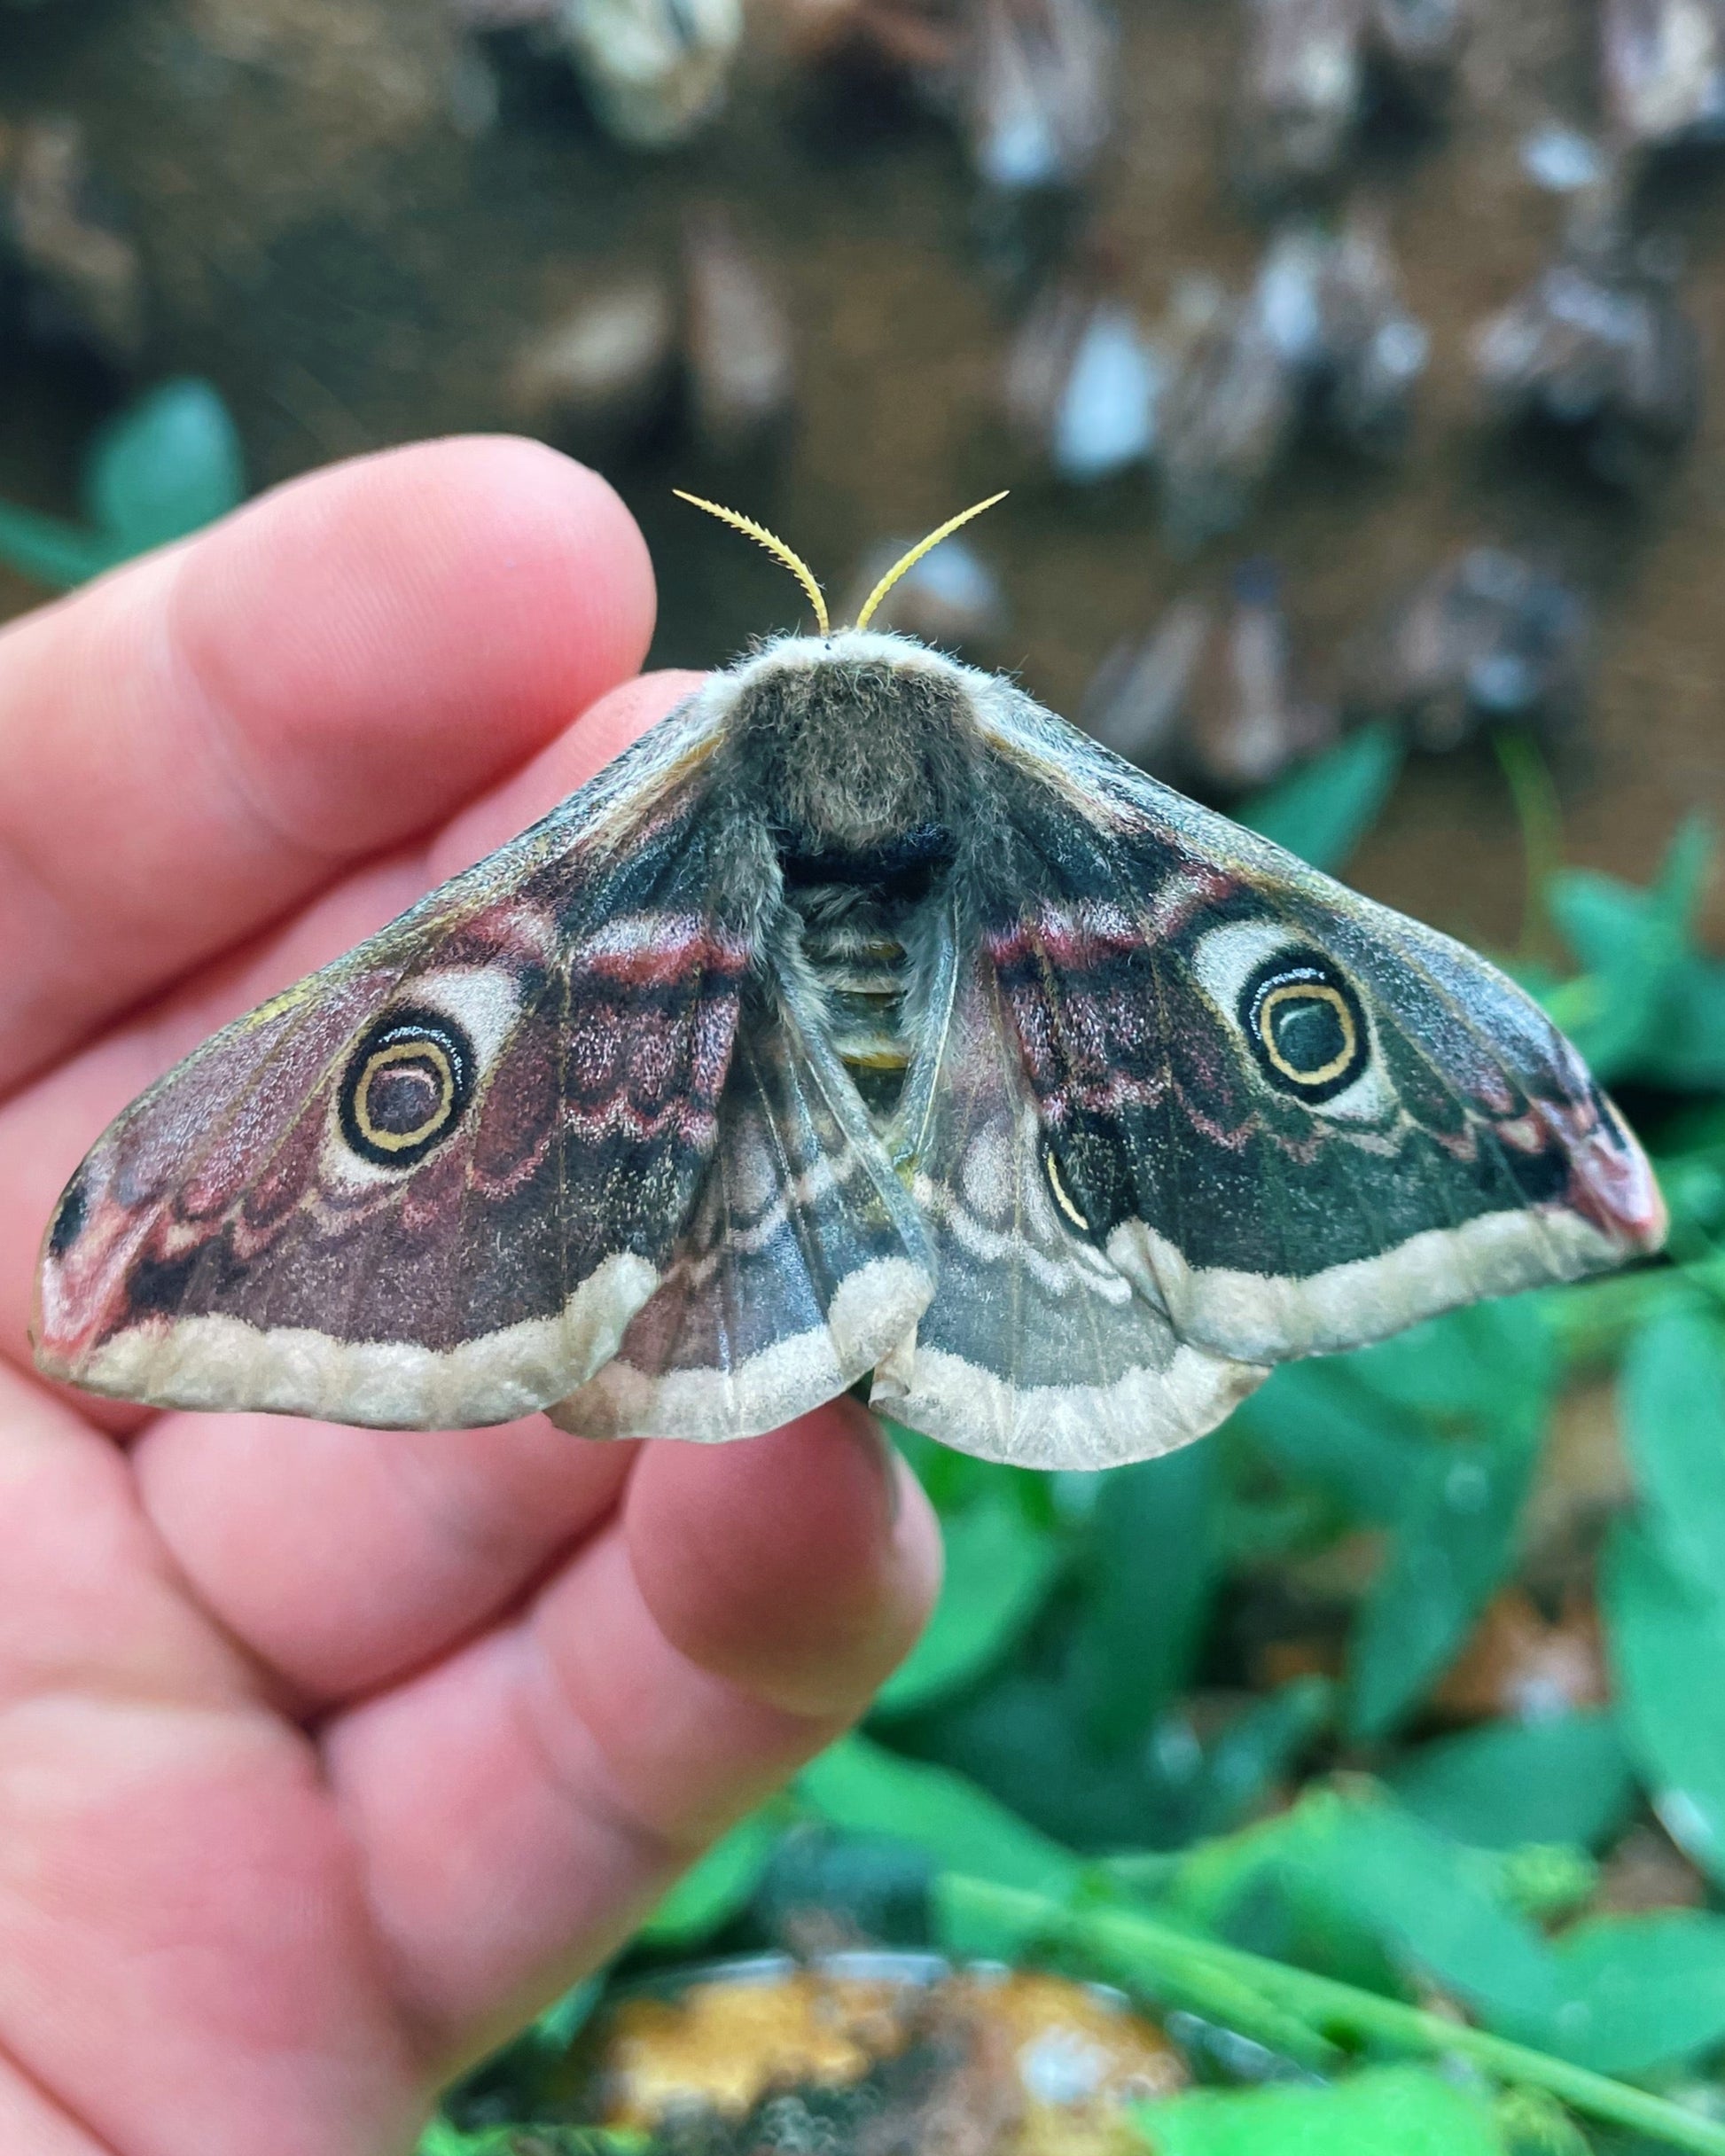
[1303,992]
[407,1082]
[1304,1022]
[434,1057]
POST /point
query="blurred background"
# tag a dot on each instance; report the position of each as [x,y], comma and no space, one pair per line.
[875,261]
[1352,366]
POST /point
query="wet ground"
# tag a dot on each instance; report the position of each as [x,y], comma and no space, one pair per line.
[352,268]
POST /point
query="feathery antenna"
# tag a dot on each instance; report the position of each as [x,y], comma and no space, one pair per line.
[778,549]
[925,546]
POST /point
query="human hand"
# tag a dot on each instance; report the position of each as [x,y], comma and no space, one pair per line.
[326,1753]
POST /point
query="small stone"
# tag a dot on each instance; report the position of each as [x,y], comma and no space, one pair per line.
[599,373]
[739,343]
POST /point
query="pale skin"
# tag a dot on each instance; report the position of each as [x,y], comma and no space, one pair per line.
[327,1755]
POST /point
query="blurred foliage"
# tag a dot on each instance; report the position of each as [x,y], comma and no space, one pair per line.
[1395,2107]
[1191,1726]
[1324,809]
[165,465]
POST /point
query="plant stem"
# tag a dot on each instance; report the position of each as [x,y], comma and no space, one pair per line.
[1143,1948]
[440,2138]
[1540,820]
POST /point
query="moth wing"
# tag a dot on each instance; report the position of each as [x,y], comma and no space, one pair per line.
[805,1261]
[1036,1349]
[1295,1120]
[431,1185]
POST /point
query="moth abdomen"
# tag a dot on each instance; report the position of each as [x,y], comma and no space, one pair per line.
[858,909]
[862,975]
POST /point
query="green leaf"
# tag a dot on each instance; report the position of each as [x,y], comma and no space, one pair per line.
[1360,1888]
[1455,1542]
[1477,1385]
[1417,1893]
[1209,1884]
[1543,1879]
[1636,946]
[1604,921]
[1692,1178]
[1021,1736]
[1434,1434]
[1153,1567]
[999,1570]
[1690,1052]
[1665,1578]
[1324,809]
[970,1925]
[1564,1780]
[1608,922]
[1386,2111]
[51,550]
[1468,1373]
[1639,1992]
[1321,1422]
[1673,1401]
[1254,1751]
[168,464]
[1667,1645]
[865,1789]
[720,1885]
[1358,1424]
[441,2137]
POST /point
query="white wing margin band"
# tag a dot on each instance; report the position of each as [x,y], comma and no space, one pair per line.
[392,1384]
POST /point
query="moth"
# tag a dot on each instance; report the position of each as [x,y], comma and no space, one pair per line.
[863,1017]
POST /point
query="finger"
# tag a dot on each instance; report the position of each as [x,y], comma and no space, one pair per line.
[343,1559]
[87,1590]
[819,1516]
[585,1752]
[46,1130]
[182,1946]
[31,2121]
[196,743]
[186,1953]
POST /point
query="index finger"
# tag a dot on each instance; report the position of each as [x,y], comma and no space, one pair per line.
[204,738]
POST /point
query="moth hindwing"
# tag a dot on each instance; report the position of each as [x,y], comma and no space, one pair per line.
[864,1017]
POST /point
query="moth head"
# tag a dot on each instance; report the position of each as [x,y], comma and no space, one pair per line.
[843,742]
[805,576]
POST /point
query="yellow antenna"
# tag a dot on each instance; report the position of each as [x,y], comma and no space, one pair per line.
[916,552]
[774,545]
